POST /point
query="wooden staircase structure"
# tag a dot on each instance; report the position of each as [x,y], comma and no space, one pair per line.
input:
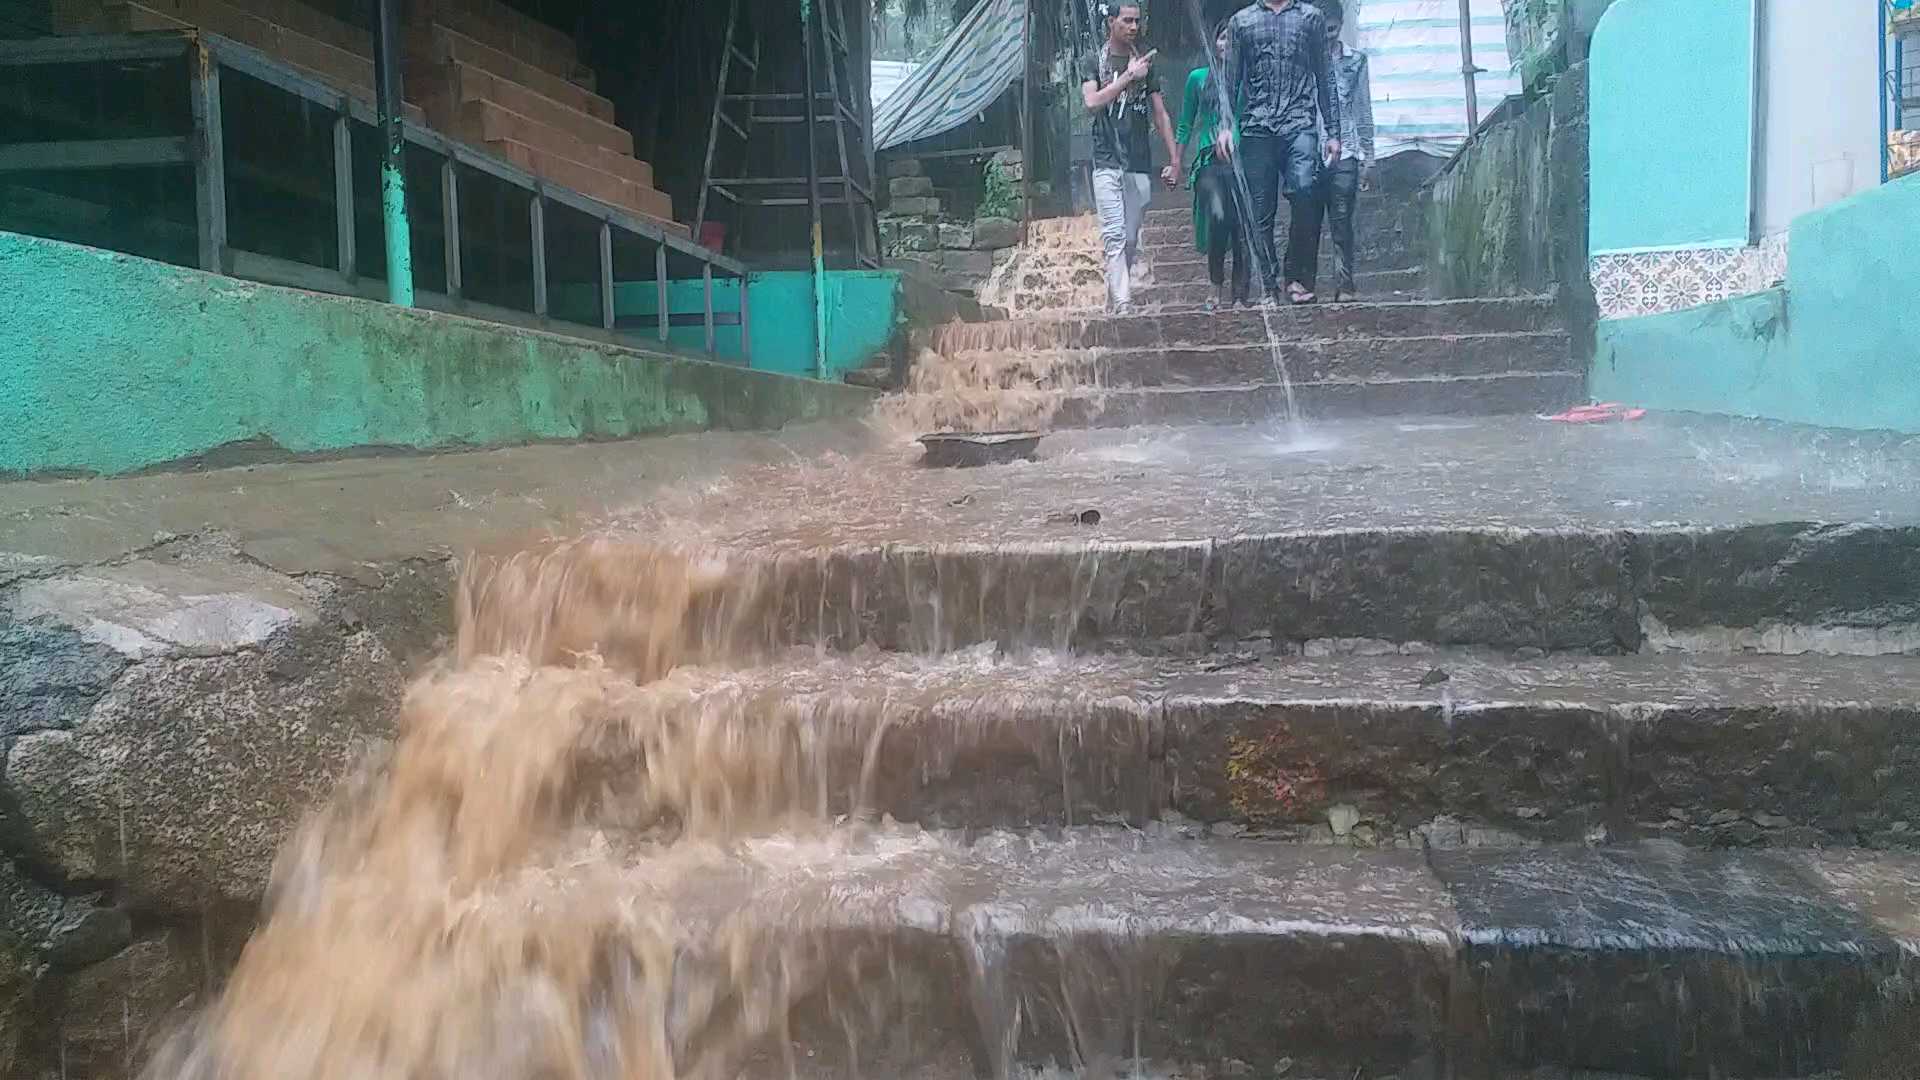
[475,70]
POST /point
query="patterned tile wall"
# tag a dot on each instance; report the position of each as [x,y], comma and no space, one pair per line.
[1652,283]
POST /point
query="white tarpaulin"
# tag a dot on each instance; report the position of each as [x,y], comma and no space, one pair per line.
[887,77]
[971,68]
[1413,50]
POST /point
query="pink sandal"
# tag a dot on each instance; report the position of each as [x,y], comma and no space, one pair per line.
[1596,414]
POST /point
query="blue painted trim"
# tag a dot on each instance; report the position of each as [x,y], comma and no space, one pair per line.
[1661,249]
[1886,91]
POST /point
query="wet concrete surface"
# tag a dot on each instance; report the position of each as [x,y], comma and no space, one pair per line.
[834,486]
[1440,750]
[353,516]
[1174,329]
[1669,533]
[1188,484]
[1096,947]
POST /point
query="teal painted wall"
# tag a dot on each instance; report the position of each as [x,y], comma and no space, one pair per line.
[1839,346]
[111,363]
[636,307]
[863,308]
[1672,125]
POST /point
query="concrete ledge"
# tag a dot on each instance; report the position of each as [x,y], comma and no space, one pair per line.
[118,363]
[1480,395]
[1198,329]
[1354,751]
[1318,963]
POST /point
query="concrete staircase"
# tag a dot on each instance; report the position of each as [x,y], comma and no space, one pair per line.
[1060,362]
[1296,765]
[475,69]
[1390,746]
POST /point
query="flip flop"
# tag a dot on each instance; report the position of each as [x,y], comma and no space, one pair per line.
[1607,412]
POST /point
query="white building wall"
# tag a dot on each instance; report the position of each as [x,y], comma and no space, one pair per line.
[1819,106]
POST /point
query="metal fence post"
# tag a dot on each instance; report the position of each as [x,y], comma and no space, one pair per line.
[537,219]
[660,284]
[606,276]
[209,159]
[746,324]
[450,217]
[343,211]
[393,146]
[706,284]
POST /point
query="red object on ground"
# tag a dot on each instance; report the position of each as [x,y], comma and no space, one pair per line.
[1597,414]
[713,235]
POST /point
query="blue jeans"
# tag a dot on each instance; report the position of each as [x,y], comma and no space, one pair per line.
[1288,165]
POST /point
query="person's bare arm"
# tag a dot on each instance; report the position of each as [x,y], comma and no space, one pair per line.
[1164,124]
[1097,98]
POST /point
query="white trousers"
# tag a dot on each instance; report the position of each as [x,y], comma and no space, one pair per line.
[1121,197]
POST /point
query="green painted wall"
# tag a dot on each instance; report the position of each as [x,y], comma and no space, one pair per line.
[1672,124]
[1507,215]
[112,363]
[1839,346]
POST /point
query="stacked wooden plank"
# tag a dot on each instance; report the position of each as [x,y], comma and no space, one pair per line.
[475,70]
[490,75]
[314,43]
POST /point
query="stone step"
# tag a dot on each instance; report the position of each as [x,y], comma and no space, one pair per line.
[460,82]
[1195,295]
[1349,359]
[1668,534]
[436,44]
[502,28]
[1525,393]
[487,122]
[1088,294]
[1361,749]
[351,71]
[1241,327]
[1193,271]
[1179,214]
[1292,961]
[588,180]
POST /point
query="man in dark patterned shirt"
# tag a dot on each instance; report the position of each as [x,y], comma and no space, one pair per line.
[1278,75]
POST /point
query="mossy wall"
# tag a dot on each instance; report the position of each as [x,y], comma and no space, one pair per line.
[113,363]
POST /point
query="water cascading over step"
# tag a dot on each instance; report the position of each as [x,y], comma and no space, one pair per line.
[1057,362]
[1448,743]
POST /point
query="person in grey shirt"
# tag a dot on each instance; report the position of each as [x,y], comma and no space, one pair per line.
[1282,87]
[1351,172]
[1119,88]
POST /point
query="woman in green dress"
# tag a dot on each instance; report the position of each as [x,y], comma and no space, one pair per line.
[1216,217]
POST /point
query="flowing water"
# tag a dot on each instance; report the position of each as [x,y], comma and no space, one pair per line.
[584,858]
[615,840]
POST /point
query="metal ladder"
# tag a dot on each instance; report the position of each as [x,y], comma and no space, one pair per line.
[744,189]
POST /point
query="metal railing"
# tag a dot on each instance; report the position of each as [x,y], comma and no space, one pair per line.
[207,55]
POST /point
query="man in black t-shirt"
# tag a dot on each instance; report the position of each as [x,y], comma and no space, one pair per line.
[1120,90]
